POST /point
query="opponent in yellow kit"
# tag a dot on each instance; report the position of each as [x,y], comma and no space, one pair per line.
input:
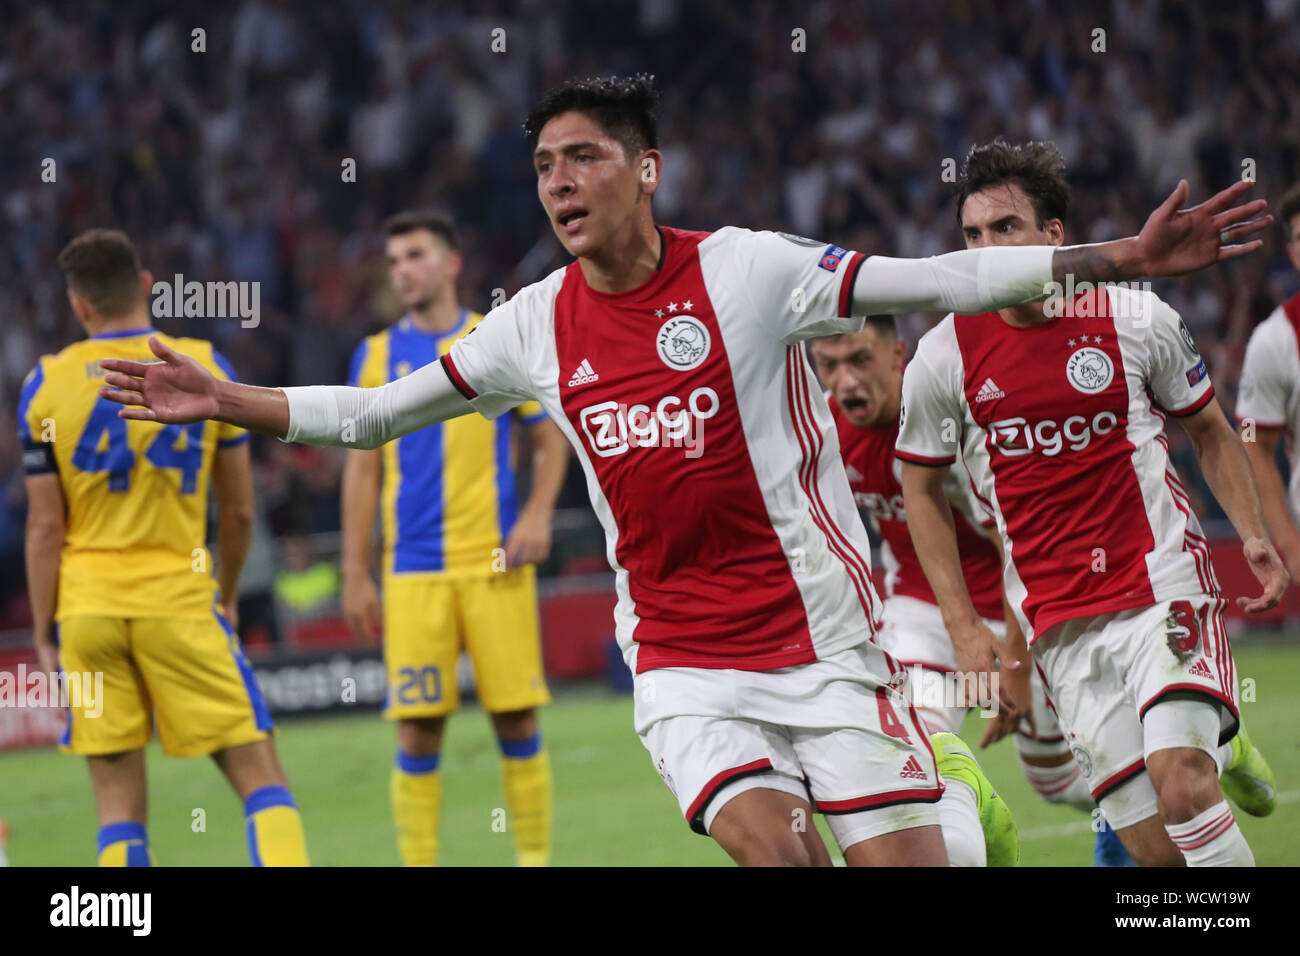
[121,580]
[456,559]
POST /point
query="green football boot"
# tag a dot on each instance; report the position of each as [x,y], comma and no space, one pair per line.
[956,762]
[1249,779]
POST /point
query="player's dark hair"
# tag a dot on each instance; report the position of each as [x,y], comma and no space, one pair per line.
[413,220]
[884,326]
[101,266]
[623,106]
[1036,167]
[1289,208]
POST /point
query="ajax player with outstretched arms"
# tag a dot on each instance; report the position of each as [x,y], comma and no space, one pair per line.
[745,606]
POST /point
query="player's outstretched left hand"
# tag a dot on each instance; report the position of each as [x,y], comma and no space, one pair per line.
[1267,566]
[176,390]
[1175,241]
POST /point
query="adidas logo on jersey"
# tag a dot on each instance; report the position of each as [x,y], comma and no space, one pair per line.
[583,375]
[1201,669]
[988,391]
[912,770]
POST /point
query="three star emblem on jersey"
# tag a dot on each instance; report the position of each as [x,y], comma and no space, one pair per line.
[583,375]
[683,342]
[912,770]
[988,391]
[1089,370]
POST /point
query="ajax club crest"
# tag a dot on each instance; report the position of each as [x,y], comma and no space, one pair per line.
[683,342]
[1089,370]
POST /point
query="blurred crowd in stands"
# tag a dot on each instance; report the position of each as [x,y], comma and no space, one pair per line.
[222,153]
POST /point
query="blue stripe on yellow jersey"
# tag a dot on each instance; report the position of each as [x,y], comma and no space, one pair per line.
[136,492]
[448,497]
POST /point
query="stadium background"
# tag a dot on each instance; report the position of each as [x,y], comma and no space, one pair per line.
[226,165]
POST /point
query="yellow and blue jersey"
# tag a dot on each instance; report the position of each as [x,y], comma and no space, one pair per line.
[448,497]
[136,491]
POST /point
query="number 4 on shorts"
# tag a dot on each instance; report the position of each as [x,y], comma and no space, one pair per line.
[889,721]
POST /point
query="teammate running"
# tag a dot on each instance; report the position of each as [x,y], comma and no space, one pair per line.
[711,460]
[863,373]
[1059,411]
[1268,402]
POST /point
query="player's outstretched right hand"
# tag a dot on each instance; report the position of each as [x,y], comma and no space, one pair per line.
[176,390]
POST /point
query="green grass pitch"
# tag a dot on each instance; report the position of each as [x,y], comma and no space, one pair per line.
[611,808]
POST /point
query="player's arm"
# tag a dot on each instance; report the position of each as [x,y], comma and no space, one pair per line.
[1007,720]
[179,390]
[1172,242]
[362,473]
[934,535]
[529,541]
[1263,401]
[232,485]
[1262,454]
[1227,471]
[927,445]
[43,546]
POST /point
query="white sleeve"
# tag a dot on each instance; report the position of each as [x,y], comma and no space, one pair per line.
[1267,378]
[930,418]
[368,417]
[800,288]
[1177,375]
[489,366]
[969,282]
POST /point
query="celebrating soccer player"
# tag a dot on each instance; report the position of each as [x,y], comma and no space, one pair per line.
[458,553]
[118,572]
[671,360]
[1059,409]
[863,373]
[1268,402]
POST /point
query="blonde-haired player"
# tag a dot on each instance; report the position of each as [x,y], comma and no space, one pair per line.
[119,576]
[458,553]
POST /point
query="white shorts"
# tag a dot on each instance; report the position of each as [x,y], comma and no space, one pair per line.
[1105,673]
[912,632]
[832,731]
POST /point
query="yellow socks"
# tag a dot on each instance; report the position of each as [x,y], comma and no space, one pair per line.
[124,844]
[416,792]
[274,829]
[527,770]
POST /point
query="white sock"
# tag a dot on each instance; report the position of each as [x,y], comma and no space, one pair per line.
[1211,838]
[1060,784]
[960,820]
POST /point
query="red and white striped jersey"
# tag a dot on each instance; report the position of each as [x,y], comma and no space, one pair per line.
[710,454]
[873,474]
[1270,384]
[1062,426]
